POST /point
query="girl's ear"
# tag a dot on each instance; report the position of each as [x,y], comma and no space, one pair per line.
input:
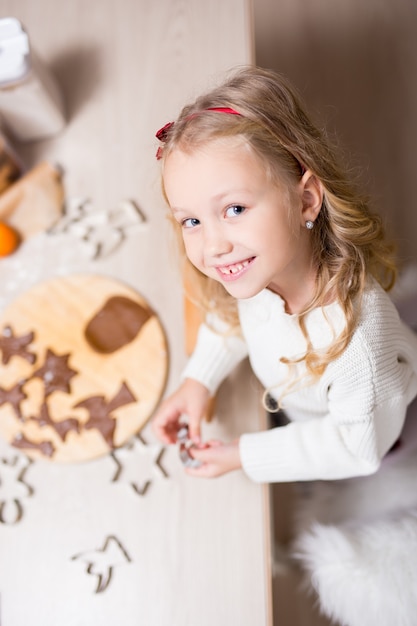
[311,197]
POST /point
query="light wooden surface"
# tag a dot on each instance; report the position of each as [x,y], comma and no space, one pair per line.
[60,316]
[130,539]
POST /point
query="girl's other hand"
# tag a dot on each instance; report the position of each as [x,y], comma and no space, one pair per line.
[216,458]
[191,400]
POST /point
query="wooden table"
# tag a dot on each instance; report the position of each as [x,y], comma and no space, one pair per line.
[96,542]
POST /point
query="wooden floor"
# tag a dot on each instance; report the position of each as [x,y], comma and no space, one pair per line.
[294,602]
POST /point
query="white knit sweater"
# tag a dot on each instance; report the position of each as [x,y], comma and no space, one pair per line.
[340,426]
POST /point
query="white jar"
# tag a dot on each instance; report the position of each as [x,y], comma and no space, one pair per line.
[30,102]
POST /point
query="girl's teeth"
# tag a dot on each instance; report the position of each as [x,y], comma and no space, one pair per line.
[233,269]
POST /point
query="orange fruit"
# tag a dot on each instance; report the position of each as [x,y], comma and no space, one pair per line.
[9,239]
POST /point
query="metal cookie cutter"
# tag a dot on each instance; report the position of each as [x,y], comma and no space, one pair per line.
[185,445]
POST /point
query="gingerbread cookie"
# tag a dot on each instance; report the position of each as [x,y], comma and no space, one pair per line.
[83,363]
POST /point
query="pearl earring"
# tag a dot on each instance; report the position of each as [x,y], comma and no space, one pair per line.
[309,224]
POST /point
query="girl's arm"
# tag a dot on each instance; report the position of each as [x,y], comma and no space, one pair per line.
[215,355]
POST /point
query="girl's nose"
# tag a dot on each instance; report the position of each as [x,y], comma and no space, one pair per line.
[216,243]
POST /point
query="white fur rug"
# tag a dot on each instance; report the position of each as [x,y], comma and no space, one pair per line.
[357,542]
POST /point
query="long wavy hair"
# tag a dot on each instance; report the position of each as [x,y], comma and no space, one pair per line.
[348,239]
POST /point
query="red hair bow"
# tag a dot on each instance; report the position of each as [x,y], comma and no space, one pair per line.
[162,133]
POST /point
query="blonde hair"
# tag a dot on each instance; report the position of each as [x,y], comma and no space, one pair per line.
[348,238]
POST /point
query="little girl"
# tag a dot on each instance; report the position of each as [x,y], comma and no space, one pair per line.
[292,268]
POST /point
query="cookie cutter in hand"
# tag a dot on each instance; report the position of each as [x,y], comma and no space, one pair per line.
[185,444]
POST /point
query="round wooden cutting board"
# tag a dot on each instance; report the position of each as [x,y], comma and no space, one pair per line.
[83,364]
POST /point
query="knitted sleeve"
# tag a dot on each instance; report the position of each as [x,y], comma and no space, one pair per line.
[217,352]
[338,445]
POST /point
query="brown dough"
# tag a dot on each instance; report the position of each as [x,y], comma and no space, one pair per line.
[116,324]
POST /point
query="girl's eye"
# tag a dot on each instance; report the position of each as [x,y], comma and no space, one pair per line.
[233,211]
[190,222]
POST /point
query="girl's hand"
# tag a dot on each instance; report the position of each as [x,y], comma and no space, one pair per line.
[217,458]
[191,399]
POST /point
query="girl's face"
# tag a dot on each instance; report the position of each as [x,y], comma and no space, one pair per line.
[238,226]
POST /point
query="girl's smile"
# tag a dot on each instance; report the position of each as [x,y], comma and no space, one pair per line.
[234,271]
[238,226]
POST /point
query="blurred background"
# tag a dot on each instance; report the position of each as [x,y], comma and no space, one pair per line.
[356,64]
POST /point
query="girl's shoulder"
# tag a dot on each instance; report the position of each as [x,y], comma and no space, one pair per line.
[380,351]
[380,332]
[377,308]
